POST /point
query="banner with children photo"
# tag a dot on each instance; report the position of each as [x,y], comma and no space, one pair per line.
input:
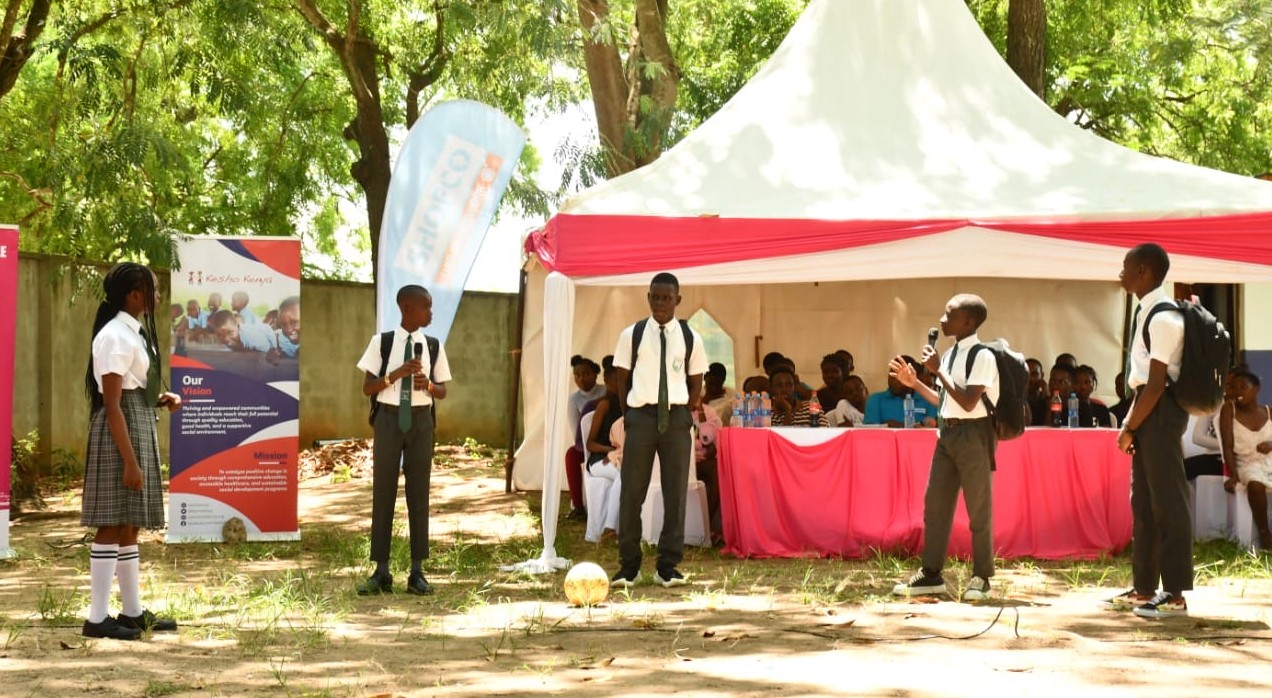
[235,319]
[8,334]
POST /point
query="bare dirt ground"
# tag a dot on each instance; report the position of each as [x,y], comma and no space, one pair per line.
[283,619]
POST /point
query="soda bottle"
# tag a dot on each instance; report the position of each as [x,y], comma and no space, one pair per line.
[814,412]
[1057,409]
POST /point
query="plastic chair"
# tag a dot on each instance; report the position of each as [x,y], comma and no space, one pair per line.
[596,491]
[697,515]
[1210,506]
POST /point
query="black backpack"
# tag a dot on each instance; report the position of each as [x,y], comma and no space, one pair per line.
[386,345]
[1206,359]
[1011,415]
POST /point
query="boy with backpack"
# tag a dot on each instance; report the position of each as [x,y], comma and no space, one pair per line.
[665,360]
[964,457]
[1151,434]
[402,396]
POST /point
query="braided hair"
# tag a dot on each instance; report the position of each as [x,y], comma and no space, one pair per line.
[122,279]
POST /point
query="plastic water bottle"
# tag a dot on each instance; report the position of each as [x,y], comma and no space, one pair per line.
[1073,410]
[766,410]
[753,409]
[908,406]
[738,417]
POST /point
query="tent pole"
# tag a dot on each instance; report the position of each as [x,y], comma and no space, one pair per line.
[514,390]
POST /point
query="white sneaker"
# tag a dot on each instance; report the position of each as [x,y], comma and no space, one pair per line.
[977,590]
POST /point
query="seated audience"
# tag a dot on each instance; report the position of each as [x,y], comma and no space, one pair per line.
[888,406]
[585,372]
[607,412]
[788,409]
[1037,385]
[708,425]
[1245,430]
[714,392]
[833,371]
[849,364]
[606,511]
[1060,381]
[1090,412]
[851,410]
[756,384]
[1124,398]
[1066,359]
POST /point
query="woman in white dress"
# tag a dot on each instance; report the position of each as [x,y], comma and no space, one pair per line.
[1245,429]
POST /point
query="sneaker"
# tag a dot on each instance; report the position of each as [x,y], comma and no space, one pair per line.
[977,589]
[625,579]
[1129,599]
[148,621]
[669,577]
[921,584]
[1164,605]
[110,629]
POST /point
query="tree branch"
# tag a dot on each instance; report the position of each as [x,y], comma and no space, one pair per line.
[431,70]
[17,48]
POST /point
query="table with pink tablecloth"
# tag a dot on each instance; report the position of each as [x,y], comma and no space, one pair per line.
[790,492]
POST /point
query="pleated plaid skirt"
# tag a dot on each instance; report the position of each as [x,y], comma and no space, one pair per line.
[106,501]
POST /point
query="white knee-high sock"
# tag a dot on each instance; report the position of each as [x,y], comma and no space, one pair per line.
[129,573]
[102,559]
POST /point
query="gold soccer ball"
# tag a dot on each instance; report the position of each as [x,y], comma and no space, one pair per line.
[586,584]
[233,530]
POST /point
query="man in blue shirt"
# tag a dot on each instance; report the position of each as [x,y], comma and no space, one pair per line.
[888,407]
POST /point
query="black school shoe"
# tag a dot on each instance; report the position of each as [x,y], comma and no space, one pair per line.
[418,585]
[110,629]
[376,584]
[148,621]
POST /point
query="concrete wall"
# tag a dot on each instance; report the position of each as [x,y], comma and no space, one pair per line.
[54,323]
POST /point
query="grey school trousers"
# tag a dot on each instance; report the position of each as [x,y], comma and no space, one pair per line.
[1162,538]
[964,459]
[414,451]
[674,446]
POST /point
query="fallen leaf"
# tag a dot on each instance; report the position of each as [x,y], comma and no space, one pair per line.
[708,633]
[839,622]
[67,646]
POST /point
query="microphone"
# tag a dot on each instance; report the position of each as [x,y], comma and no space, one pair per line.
[933,333]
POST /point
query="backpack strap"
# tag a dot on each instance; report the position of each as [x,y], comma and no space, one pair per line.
[688,333]
[971,359]
[434,348]
[386,345]
[1148,319]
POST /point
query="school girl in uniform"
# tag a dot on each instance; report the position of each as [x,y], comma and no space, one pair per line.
[122,486]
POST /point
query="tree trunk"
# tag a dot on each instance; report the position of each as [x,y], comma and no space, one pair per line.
[18,45]
[1027,43]
[608,83]
[633,103]
[663,87]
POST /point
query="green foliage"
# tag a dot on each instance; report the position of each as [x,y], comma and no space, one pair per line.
[137,122]
[1189,80]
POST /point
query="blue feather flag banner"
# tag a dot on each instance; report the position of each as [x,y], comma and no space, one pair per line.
[449,178]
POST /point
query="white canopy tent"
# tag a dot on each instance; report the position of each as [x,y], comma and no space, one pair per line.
[883,159]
